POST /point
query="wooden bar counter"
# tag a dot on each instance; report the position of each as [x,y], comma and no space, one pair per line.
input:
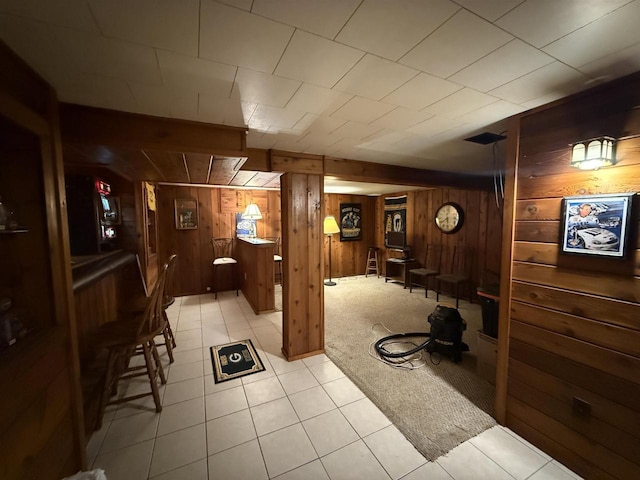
[255,258]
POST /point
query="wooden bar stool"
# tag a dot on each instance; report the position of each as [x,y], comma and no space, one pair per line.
[372,262]
[122,338]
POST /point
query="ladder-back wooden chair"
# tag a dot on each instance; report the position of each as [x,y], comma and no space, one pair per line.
[420,276]
[223,258]
[459,274]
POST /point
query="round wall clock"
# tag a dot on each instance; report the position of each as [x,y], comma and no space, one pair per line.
[449,217]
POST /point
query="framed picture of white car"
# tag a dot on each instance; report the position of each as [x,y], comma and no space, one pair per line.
[596,224]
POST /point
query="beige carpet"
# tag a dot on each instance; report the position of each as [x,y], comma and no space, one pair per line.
[436,407]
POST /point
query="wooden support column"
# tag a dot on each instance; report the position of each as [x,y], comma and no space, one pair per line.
[303,290]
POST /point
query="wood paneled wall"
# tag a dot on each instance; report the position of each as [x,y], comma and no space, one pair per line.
[481,229]
[574,342]
[216,211]
[350,258]
[41,431]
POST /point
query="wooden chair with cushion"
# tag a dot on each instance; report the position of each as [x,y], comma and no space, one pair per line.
[223,257]
[459,272]
[420,276]
[121,339]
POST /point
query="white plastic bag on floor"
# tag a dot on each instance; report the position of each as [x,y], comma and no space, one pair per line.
[91,475]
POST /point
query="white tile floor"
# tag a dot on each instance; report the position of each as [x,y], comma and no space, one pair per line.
[296,420]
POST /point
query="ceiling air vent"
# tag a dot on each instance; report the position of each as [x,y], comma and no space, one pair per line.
[485,138]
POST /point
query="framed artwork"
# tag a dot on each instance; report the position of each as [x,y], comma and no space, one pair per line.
[350,222]
[596,224]
[186,211]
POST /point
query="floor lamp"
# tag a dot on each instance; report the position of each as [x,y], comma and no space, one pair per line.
[330,227]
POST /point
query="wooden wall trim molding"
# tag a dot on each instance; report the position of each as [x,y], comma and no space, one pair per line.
[98,126]
[508,233]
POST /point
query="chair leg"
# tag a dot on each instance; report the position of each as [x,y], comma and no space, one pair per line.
[437,290]
[169,342]
[106,391]
[154,351]
[151,372]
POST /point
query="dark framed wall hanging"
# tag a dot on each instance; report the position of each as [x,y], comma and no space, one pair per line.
[186,212]
[350,222]
[596,224]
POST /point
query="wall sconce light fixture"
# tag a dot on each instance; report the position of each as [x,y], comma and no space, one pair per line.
[593,153]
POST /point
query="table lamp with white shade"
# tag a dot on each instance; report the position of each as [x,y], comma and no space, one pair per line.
[252,212]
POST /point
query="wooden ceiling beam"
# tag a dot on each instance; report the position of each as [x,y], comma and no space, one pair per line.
[357,171]
[100,126]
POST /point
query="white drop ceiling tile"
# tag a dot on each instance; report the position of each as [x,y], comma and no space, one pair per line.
[96,90]
[509,62]
[277,117]
[325,18]
[374,77]
[385,137]
[555,77]
[318,100]
[183,72]
[225,111]
[543,100]
[167,24]
[615,65]
[391,30]
[319,124]
[540,22]
[315,140]
[316,60]
[421,91]
[356,130]
[462,40]
[252,86]
[70,13]
[415,145]
[614,32]
[493,112]
[236,37]
[243,4]
[401,118]
[287,145]
[165,101]
[260,140]
[115,58]
[342,144]
[459,103]
[33,40]
[362,110]
[433,126]
[489,9]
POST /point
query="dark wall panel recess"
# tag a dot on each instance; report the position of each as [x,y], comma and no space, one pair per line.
[574,346]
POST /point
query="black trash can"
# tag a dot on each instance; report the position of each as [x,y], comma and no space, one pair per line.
[489,301]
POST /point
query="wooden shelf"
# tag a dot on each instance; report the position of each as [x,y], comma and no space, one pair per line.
[15,230]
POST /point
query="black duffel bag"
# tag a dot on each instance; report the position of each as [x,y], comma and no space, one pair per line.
[446,333]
